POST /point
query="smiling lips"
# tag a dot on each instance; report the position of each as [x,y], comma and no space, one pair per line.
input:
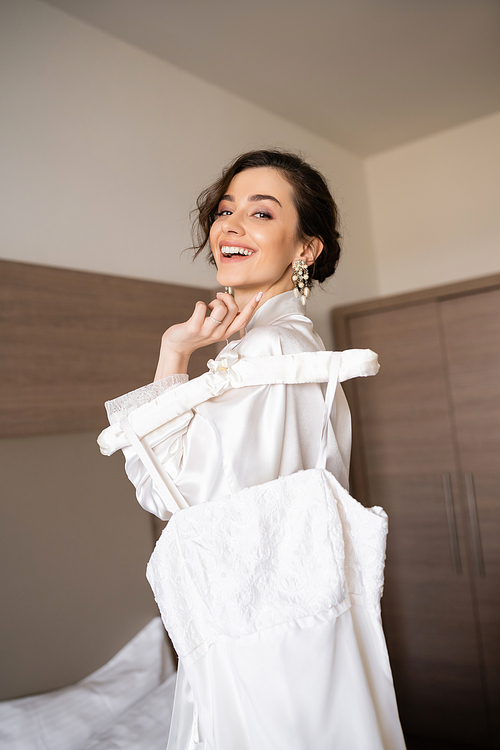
[228,252]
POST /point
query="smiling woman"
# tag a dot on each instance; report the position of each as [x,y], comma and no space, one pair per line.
[268,575]
[254,236]
[316,213]
[267,210]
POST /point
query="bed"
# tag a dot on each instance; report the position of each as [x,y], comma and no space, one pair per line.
[124,705]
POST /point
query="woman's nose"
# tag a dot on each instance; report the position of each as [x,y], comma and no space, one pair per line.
[232,225]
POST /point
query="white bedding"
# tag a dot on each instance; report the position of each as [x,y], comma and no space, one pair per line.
[124,705]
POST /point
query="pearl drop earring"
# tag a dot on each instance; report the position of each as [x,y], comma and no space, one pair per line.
[301,282]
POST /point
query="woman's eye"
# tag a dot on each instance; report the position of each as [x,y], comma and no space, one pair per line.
[263,215]
[224,212]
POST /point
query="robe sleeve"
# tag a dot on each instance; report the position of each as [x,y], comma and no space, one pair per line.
[121,407]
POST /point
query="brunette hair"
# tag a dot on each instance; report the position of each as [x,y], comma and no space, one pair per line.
[318,215]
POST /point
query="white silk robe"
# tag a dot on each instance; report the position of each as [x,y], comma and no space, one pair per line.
[324,682]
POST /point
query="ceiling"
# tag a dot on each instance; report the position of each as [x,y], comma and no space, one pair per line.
[367,74]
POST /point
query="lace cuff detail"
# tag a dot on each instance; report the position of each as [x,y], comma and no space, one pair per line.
[121,407]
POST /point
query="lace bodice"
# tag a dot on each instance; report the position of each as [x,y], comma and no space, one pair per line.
[290,549]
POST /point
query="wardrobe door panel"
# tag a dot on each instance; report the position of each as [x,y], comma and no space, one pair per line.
[406,435]
[471,327]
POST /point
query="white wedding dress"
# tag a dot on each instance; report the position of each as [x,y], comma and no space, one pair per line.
[270,587]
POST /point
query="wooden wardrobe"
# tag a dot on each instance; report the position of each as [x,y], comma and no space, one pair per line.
[427,449]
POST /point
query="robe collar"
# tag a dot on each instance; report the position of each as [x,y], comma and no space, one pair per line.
[280,306]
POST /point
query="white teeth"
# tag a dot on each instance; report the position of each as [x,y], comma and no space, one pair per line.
[235,251]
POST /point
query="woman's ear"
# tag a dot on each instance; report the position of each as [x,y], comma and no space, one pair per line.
[311,250]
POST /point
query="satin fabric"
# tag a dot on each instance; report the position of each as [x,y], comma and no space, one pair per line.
[249,436]
[239,439]
[346,702]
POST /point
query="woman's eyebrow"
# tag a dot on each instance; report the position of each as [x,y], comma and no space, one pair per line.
[253,198]
[260,197]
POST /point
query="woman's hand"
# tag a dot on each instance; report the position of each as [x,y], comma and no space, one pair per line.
[180,341]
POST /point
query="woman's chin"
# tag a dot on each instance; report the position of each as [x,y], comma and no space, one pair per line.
[232,280]
[224,281]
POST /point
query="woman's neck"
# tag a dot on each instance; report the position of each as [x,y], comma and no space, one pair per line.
[243,295]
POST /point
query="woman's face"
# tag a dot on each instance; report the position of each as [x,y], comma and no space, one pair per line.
[253,238]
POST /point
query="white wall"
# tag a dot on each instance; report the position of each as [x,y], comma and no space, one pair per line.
[104,149]
[435,208]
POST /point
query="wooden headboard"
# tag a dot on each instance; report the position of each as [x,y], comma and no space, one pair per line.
[69,340]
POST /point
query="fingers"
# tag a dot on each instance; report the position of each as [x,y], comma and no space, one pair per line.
[199,314]
[241,320]
[223,310]
[217,311]
[227,300]
[224,318]
[203,324]
[215,320]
